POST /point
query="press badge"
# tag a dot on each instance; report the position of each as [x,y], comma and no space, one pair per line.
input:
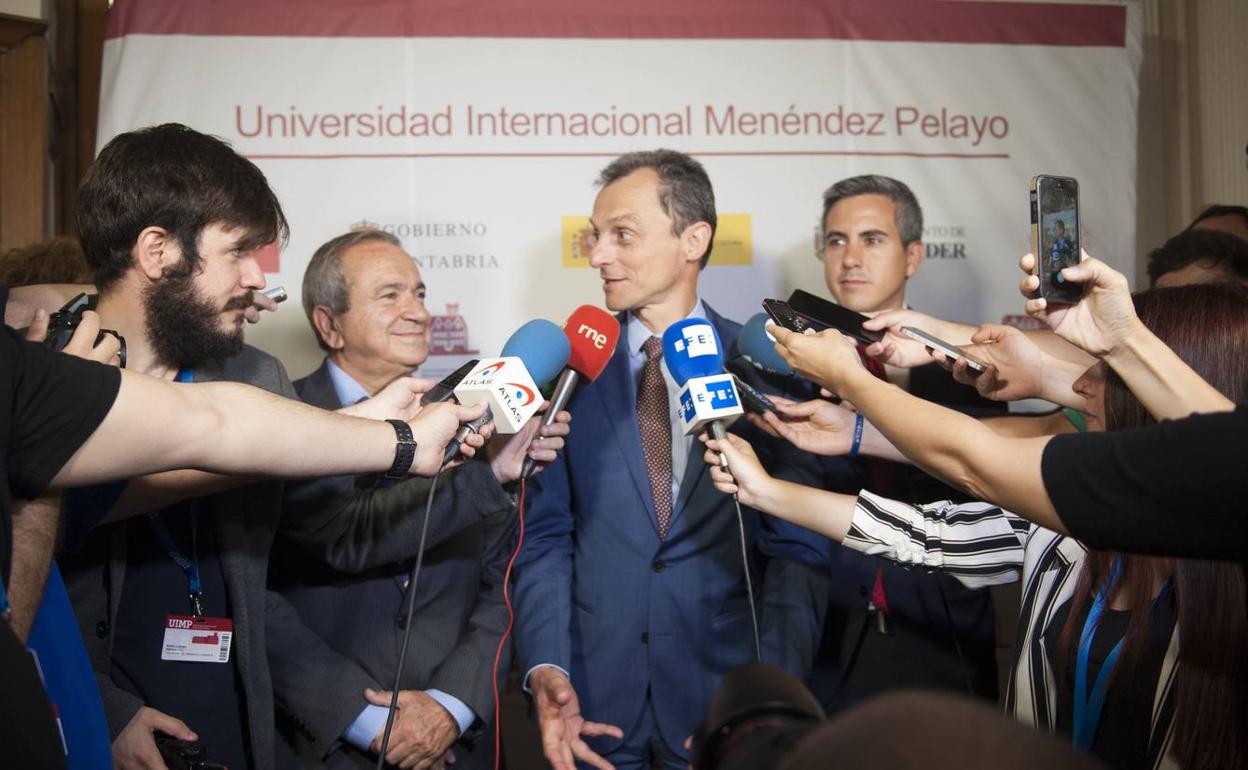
[197,640]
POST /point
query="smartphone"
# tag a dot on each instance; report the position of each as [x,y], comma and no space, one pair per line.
[952,351]
[1055,237]
[785,316]
[830,314]
[752,399]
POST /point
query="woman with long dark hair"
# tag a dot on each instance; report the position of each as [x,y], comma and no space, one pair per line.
[1137,658]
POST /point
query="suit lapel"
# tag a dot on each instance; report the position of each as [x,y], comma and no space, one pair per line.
[317,388]
[619,402]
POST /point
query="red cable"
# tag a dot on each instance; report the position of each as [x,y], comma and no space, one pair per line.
[511,619]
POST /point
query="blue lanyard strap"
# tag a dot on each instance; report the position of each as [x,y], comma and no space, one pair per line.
[189,566]
[1088,708]
[4,602]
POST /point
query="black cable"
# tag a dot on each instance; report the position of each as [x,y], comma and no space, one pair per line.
[407,623]
[749,583]
[953,632]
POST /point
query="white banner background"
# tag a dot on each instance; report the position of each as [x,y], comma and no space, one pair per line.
[1070,111]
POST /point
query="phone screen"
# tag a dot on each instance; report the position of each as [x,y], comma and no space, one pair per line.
[1058,231]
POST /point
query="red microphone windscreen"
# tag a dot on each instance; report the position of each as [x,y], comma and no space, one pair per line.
[593,333]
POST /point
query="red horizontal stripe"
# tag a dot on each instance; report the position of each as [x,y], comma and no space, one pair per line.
[929,21]
[709,154]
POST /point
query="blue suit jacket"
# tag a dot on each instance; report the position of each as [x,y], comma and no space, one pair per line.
[599,594]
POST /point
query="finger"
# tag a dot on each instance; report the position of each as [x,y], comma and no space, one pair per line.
[172,726]
[109,349]
[38,329]
[377,697]
[1035,307]
[875,349]
[989,333]
[556,428]
[601,728]
[1027,263]
[83,340]
[762,423]
[262,301]
[558,753]
[587,755]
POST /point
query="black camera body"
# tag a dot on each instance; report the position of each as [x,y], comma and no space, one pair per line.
[64,322]
[184,755]
[757,716]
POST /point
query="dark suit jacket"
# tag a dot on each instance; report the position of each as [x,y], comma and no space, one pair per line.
[940,633]
[244,520]
[357,604]
[631,616]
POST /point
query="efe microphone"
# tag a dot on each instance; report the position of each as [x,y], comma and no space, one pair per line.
[592,334]
[708,396]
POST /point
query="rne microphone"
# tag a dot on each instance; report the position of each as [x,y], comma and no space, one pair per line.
[509,385]
[708,395]
[592,334]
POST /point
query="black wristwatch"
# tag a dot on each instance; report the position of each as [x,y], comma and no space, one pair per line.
[404,451]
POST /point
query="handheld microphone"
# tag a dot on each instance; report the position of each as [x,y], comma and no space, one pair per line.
[755,346]
[445,389]
[509,385]
[708,395]
[592,334]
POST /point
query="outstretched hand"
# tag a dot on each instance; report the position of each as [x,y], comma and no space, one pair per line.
[563,728]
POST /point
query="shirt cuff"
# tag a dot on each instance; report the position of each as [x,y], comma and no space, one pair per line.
[529,673]
[366,726]
[460,712]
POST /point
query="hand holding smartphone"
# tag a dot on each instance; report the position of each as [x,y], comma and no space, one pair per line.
[935,343]
[1055,235]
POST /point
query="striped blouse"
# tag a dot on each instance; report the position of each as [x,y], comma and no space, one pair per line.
[982,545]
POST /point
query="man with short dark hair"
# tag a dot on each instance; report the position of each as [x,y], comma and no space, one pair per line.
[365,300]
[630,589]
[1223,218]
[888,627]
[1198,255]
[171,221]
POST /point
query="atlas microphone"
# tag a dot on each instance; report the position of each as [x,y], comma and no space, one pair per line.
[708,395]
[509,384]
[592,334]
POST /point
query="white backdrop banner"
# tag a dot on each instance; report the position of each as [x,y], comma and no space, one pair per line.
[474,131]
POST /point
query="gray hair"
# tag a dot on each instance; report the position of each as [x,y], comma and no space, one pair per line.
[907,215]
[323,283]
[685,193]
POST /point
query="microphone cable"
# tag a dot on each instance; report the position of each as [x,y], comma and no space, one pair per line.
[407,622]
[717,432]
[511,619]
[749,583]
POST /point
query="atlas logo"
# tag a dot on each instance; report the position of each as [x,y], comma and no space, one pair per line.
[490,370]
[521,393]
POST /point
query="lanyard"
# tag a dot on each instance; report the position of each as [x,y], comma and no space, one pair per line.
[4,603]
[1088,708]
[189,566]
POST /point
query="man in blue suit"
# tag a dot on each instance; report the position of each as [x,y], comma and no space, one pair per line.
[630,590]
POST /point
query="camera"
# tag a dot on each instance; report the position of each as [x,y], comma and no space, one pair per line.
[755,718]
[64,322]
[184,755]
